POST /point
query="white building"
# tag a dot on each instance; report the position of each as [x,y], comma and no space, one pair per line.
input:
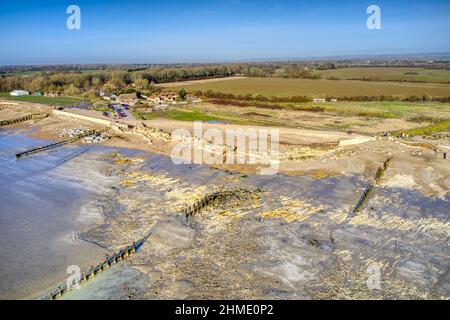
[319,100]
[19,93]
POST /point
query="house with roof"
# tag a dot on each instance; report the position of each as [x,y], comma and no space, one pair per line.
[108,96]
[128,98]
[164,98]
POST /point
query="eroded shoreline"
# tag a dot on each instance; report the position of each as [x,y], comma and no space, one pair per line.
[295,238]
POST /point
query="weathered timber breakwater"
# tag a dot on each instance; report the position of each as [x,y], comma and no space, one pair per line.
[124,253]
[59,144]
[368,190]
[36,116]
[210,199]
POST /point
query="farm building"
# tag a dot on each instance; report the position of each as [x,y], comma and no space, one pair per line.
[108,96]
[319,100]
[130,99]
[166,98]
[19,93]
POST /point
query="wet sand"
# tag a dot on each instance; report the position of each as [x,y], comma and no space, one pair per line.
[41,213]
[289,237]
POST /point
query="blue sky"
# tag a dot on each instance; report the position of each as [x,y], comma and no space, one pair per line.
[34,32]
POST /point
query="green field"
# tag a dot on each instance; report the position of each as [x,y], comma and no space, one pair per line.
[388,109]
[388,74]
[278,87]
[53,101]
[21,74]
[441,126]
[176,114]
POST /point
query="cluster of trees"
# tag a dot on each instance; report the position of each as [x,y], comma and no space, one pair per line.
[250,97]
[220,96]
[431,61]
[76,82]
[79,81]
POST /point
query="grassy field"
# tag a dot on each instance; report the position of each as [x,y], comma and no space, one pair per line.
[176,114]
[388,74]
[22,74]
[427,130]
[388,109]
[363,117]
[224,116]
[278,87]
[53,101]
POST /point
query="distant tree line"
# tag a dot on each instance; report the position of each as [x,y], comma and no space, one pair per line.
[250,97]
[220,96]
[267,67]
[78,80]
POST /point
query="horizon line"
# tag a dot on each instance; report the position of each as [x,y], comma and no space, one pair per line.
[317,58]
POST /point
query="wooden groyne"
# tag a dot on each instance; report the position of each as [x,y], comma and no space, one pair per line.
[124,253]
[368,190]
[381,170]
[36,116]
[121,255]
[58,144]
[363,198]
[209,199]
[200,204]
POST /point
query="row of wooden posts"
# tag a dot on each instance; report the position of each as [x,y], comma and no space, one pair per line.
[90,274]
[368,190]
[36,116]
[380,172]
[207,200]
[200,204]
[126,252]
[58,144]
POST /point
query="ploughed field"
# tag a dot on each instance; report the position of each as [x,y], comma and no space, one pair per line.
[387,74]
[280,87]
